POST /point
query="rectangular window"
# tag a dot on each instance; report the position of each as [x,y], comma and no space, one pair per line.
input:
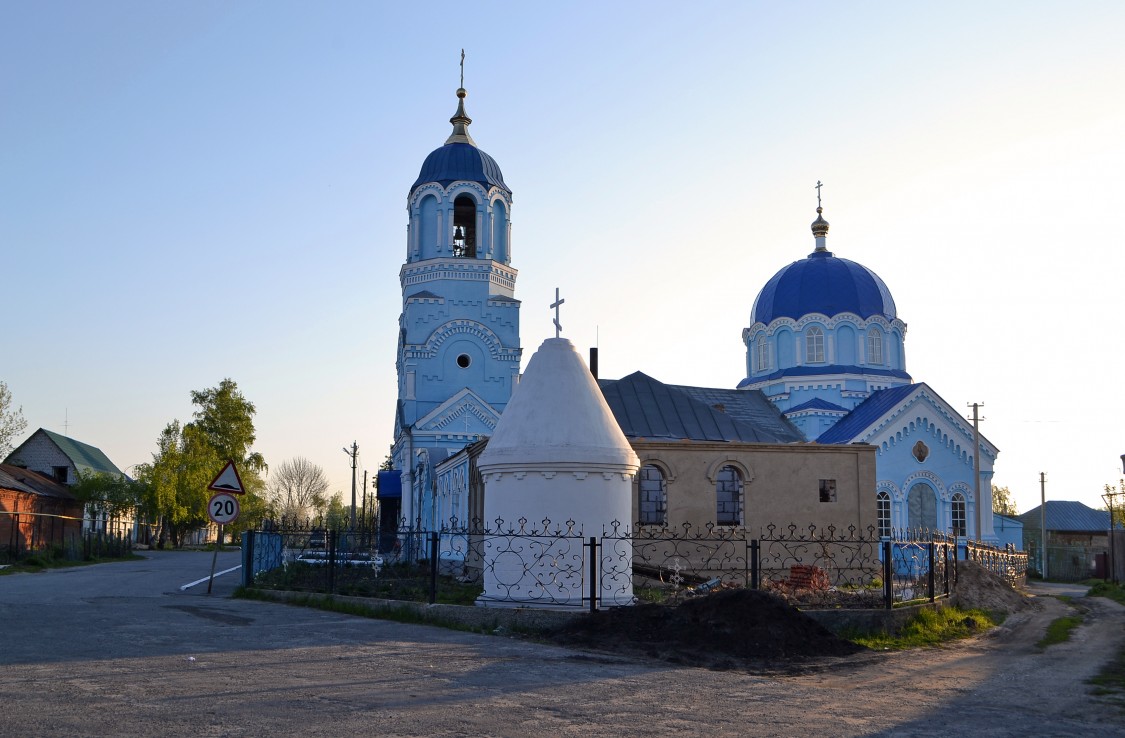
[60,474]
[827,490]
[653,502]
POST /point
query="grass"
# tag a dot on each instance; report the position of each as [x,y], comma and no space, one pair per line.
[396,582]
[930,628]
[1099,588]
[397,613]
[1059,630]
[35,564]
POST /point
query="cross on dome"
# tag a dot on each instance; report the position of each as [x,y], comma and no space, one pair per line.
[555,306]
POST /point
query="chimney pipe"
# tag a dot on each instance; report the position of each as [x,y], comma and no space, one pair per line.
[594,362]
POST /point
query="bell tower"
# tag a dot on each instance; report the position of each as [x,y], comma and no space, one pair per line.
[458,354]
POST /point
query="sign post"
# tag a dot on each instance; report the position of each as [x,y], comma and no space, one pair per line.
[223,507]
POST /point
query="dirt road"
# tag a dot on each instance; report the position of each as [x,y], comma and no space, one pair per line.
[159,661]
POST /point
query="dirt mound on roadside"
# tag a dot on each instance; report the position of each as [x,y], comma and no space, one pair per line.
[979,589]
[726,630]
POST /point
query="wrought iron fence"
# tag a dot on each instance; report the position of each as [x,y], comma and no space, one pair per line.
[558,565]
[1010,565]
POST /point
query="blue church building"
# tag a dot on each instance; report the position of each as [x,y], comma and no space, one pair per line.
[826,345]
[458,341]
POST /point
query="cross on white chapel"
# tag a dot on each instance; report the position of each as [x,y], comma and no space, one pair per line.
[555,305]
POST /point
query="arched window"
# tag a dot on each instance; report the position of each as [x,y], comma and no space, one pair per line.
[465,227]
[874,346]
[763,354]
[883,512]
[957,515]
[652,505]
[921,507]
[728,497]
[814,345]
[499,231]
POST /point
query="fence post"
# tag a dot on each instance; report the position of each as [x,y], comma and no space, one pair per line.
[946,564]
[331,561]
[593,574]
[248,558]
[755,570]
[930,576]
[433,566]
[888,570]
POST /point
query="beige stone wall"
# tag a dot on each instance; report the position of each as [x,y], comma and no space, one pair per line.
[781,482]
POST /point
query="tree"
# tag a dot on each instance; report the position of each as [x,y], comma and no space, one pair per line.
[1002,502]
[115,495]
[337,516]
[12,423]
[188,457]
[1115,497]
[296,488]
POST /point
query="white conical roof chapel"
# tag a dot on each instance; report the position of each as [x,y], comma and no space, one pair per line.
[558,418]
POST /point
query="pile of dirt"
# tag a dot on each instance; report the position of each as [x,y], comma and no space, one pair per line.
[726,629]
[979,589]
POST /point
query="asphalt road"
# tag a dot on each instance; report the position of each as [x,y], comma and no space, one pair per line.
[120,649]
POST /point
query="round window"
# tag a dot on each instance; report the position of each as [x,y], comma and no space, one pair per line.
[464,360]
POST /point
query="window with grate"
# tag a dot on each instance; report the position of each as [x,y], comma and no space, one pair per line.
[814,345]
[728,497]
[883,512]
[874,346]
[653,496]
[957,510]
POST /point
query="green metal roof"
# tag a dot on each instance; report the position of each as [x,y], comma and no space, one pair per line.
[85,457]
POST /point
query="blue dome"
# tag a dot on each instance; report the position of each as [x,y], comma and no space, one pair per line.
[455,162]
[823,284]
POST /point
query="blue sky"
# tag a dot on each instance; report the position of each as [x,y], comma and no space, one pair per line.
[193,191]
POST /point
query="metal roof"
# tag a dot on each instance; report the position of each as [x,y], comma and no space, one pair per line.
[822,369]
[866,413]
[817,403]
[460,162]
[29,482]
[647,408]
[1068,516]
[83,456]
[823,283]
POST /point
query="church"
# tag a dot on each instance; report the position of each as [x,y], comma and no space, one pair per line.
[825,367]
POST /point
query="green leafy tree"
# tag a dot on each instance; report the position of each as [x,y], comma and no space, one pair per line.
[336,517]
[189,457]
[1117,497]
[1002,502]
[112,494]
[12,423]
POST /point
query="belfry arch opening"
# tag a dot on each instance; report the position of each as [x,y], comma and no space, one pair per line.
[465,227]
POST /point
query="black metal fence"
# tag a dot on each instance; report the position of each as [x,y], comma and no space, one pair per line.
[525,563]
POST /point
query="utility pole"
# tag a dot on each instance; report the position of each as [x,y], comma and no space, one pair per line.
[353,453]
[364,516]
[976,462]
[1043,520]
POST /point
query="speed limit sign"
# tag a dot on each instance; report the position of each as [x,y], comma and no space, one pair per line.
[223,508]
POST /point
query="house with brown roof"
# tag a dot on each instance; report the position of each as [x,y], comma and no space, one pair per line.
[35,512]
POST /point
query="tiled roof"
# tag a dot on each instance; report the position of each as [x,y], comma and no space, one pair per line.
[866,413]
[1068,515]
[647,408]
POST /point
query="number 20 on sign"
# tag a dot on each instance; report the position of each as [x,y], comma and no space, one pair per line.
[223,508]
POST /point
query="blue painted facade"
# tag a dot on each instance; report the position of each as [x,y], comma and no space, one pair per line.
[458,352]
[827,347]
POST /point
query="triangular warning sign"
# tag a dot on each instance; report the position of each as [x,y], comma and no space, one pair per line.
[228,481]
